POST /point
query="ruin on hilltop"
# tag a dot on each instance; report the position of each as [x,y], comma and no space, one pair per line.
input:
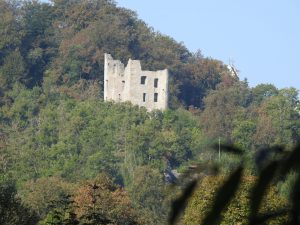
[131,83]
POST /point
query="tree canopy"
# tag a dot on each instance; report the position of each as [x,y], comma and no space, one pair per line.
[58,137]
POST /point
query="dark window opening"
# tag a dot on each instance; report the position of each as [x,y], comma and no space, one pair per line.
[144,97]
[143,79]
[155,97]
[155,82]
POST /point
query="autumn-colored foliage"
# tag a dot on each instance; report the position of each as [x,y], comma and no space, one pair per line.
[101,200]
[57,134]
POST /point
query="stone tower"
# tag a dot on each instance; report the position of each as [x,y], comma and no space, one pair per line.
[131,83]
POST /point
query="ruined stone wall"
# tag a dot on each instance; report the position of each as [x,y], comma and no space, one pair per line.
[143,88]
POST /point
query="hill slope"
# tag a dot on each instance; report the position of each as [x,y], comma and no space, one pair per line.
[58,138]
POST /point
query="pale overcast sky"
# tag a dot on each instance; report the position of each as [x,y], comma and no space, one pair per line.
[262,37]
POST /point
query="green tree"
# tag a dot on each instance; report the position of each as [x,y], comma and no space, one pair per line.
[148,193]
[222,107]
[243,133]
[12,70]
[38,43]
[42,193]
[262,92]
[278,121]
[201,75]
[12,210]
[10,32]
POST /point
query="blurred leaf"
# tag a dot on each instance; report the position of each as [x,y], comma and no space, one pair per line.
[264,155]
[261,186]
[197,170]
[179,205]
[292,161]
[296,201]
[223,196]
[262,219]
[229,149]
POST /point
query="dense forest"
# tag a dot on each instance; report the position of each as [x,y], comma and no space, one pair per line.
[67,157]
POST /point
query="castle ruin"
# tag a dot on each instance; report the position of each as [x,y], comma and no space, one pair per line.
[131,83]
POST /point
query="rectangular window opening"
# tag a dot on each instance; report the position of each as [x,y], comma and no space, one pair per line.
[155,97]
[143,79]
[144,97]
[156,82]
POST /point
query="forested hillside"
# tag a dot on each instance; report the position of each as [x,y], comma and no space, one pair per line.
[67,157]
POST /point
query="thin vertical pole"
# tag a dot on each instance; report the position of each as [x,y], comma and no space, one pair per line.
[219,148]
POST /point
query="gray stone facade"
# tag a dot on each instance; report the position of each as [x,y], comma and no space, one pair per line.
[131,83]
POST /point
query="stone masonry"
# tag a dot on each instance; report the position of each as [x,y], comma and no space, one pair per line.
[131,83]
